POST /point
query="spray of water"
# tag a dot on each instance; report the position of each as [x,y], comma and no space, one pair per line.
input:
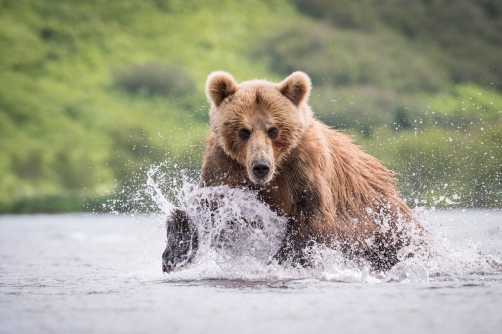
[239,234]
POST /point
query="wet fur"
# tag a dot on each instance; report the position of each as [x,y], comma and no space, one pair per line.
[329,189]
[182,241]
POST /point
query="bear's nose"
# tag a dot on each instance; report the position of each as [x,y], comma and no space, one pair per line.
[260,168]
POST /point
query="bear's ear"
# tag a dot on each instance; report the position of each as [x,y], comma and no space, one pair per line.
[219,86]
[296,87]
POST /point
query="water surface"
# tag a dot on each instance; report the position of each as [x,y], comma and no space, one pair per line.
[102,273]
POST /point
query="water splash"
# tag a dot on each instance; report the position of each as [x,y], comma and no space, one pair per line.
[239,234]
[156,193]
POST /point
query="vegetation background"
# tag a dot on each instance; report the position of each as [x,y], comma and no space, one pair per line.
[93,92]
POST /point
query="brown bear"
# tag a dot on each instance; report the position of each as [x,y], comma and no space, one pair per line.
[264,137]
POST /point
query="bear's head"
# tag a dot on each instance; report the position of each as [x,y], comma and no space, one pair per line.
[259,122]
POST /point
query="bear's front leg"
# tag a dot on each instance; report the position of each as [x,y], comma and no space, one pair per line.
[182,241]
[293,248]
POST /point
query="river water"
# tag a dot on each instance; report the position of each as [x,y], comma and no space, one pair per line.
[102,274]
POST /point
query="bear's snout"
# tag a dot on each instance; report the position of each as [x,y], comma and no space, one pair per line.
[260,168]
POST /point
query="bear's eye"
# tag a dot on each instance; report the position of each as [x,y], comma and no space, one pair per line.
[273,133]
[244,134]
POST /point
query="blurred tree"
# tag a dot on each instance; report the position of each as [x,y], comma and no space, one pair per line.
[463,35]
[154,79]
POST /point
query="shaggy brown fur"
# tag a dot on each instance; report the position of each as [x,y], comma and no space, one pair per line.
[331,192]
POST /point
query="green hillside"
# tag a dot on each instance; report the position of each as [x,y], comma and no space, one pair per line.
[94,92]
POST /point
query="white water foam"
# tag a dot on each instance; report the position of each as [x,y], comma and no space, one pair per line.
[239,234]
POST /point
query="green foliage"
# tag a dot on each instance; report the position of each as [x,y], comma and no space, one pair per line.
[365,108]
[57,204]
[66,131]
[461,35]
[443,168]
[466,105]
[154,79]
[90,96]
[401,119]
[346,58]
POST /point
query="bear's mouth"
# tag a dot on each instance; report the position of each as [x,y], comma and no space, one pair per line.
[260,181]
